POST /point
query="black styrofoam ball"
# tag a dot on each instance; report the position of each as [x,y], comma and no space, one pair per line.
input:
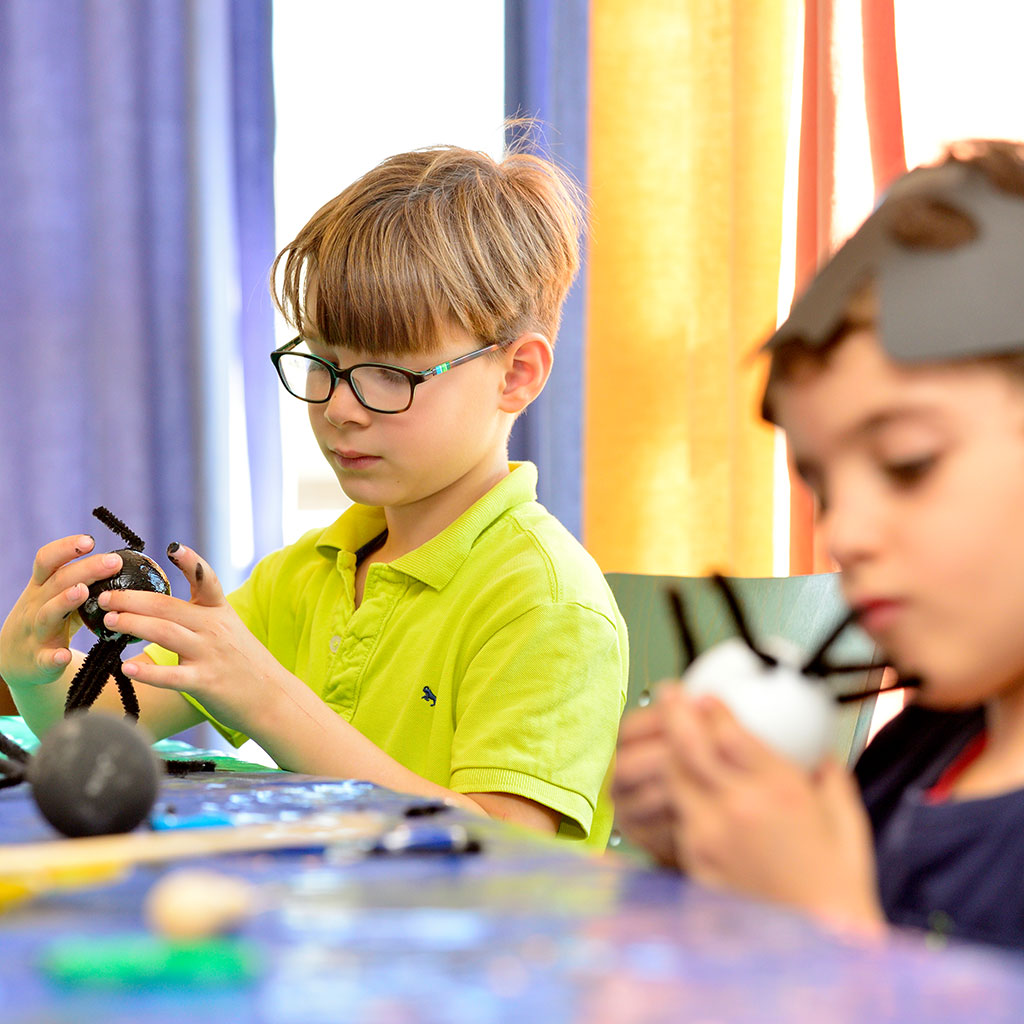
[94,774]
[138,572]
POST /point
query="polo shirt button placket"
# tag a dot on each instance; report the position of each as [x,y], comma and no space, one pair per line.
[335,643]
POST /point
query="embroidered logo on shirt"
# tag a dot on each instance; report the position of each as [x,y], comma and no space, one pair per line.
[428,696]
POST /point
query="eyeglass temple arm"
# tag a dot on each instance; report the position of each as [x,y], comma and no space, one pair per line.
[288,345]
[436,371]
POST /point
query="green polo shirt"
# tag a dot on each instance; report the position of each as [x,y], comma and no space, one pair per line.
[490,659]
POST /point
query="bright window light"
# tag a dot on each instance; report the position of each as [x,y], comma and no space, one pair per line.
[355,83]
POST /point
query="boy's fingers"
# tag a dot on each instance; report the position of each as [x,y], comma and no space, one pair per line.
[84,572]
[55,612]
[639,763]
[840,797]
[50,557]
[645,804]
[736,745]
[59,658]
[69,594]
[203,583]
[147,606]
[640,725]
[49,660]
[692,754]
[63,574]
[171,634]
[167,677]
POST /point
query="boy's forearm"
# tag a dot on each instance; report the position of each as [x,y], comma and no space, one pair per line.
[163,713]
[303,734]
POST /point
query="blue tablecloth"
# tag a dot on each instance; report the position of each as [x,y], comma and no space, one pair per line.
[525,930]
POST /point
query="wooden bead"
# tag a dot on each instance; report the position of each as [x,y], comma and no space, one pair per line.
[194,903]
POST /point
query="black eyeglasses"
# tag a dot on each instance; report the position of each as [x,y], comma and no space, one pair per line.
[379,387]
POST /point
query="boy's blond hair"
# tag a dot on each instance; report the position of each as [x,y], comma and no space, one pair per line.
[430,239]
[915,222]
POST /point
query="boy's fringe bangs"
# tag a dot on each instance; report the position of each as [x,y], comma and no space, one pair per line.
[382,312]
[357,304]
[431,240]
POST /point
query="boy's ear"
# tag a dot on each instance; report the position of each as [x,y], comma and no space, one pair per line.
[527,367]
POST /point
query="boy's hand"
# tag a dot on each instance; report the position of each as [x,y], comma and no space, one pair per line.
[35,636]
[644,811]
[220,662]
[749,820]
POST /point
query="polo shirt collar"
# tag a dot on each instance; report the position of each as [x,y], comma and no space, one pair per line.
[436,561]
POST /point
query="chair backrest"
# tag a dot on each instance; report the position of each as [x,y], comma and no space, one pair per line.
[800,609]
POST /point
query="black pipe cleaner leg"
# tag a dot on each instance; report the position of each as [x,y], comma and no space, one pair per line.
[740,620]
[816,664]
[85,678]
[129,699]
[685,634]
[102,662]
[12,770]
[11,750]
[108,519]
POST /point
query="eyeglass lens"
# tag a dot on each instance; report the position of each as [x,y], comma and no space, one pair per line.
[377,386]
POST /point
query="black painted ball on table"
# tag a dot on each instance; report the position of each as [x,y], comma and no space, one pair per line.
[94,774]
[138,572]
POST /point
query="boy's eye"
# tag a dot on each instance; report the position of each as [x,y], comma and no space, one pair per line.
[384,376]
[906,473]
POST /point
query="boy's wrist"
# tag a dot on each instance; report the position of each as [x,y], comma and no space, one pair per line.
[280,696]
[22,683]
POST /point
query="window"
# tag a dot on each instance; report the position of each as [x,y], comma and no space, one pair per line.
[355,83]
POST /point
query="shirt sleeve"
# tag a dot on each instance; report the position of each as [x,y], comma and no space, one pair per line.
[537,712]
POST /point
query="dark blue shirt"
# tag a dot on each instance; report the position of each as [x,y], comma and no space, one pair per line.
[956,866]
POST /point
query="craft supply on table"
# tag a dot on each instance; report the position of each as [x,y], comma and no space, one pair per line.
[194,903]
[315,831]
[168,819]
[426,838]
[92,774]
[16,889]
[134,962]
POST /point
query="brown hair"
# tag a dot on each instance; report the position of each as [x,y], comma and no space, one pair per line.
[431,238]
[916,222]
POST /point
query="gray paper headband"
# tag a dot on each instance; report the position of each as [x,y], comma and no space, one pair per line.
[933,304]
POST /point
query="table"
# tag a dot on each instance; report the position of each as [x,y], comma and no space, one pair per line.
[528,929]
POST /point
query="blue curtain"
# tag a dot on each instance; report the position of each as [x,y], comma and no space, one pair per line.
[546,47]
[136,219]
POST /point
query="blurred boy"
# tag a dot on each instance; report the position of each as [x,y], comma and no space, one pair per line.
[899,380]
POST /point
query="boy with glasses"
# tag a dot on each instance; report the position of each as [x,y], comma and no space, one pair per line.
[446,636]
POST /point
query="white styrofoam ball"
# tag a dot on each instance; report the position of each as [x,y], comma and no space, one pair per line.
[789,711]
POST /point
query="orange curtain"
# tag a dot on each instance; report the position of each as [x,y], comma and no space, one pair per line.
[688,126]
[816,201]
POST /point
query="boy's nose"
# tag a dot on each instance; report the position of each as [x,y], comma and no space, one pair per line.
[344,407]
[851,529]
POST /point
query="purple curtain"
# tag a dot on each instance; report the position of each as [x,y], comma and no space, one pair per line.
[136,221]
[546,69]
